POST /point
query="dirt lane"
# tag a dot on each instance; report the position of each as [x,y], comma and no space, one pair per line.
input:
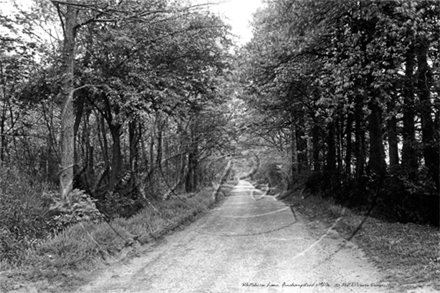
[246,245]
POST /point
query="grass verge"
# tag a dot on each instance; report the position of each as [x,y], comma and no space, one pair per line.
[407,254]
[64,261]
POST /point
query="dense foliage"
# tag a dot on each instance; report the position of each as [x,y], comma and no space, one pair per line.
[351,90]
[124,103]
[117,102]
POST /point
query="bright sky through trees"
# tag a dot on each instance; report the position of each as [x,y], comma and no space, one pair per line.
[238,13]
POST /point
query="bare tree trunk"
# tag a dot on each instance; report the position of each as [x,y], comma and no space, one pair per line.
[102,137]
[79,109]
[294,151]
[377,154]
[159,137]
[339,144]
[348,148]
[190,184]
[145,162]
[316,149]
[393,149]
[182,169]
[67,114]
[309,149]
[294,163]
[90,172]
[3,138]
[51,147]
[331,148]
[3,117]
[223,180]
[138,174]
[152,139]
[116,166]
[360,140]
[191,176]
[134,135]
[409,156]
[424,84]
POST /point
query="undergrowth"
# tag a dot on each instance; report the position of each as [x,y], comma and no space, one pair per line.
[25,221]
[83,246]
[402,196]
[408,254]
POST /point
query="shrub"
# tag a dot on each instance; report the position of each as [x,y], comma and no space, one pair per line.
[116,205]
[78,207]
[409,197]
[323,183]
[24,211]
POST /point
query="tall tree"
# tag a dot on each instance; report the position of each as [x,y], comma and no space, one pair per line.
[70,29]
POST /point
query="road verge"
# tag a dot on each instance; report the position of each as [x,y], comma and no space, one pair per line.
[66,260]
[407,254]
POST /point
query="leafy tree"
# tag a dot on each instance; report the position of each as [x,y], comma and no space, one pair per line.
[352,78]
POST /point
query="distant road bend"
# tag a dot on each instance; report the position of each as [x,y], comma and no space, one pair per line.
[245,245]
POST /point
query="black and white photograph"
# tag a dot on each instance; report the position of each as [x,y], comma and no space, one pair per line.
[219,146]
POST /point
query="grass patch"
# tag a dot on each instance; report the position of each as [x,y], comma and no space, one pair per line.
[407,254]
[58,264]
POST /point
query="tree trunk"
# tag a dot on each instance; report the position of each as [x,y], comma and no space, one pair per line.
[89,146]
[309,148]
[348,148]
[152,139]
[88,153]
[377,154]
[223,180]
[79,109]
[3,139]
[116,166]
[360,139]
[191,176]
[331,148]
[3,116]
[103,139]
[159,137]
[301,145]
[393,149]
[181,170]
[409,156]
[294,151]
[134,133]
[316,149]
[424,84]
[51,146]
[67,113]
[339,144]
[190,184]
[145,162]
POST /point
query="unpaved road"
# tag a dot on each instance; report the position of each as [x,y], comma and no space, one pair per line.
[245,245]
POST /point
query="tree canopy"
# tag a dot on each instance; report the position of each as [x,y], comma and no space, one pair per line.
[126,96]
[353,85]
